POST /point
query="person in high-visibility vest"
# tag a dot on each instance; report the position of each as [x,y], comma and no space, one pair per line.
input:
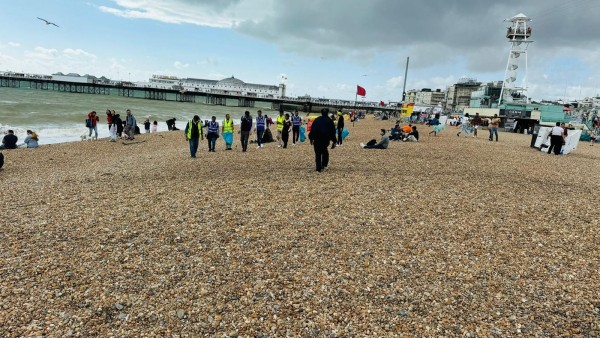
[193,134]
[227,132]
[280,120]
[261,125]
[212,133]
[296,123]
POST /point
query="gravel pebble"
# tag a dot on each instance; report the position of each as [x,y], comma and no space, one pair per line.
[445,237]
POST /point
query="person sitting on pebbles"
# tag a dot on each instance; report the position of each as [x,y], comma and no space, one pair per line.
[413,136]
[9,141]
[383,144]
[31,141]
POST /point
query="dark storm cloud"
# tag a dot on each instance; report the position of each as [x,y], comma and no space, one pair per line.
[473,28]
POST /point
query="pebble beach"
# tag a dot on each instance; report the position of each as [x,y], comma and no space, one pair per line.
[447,237]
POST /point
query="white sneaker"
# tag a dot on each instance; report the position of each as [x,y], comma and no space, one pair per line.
[262,145]
[362,145]
[258,147]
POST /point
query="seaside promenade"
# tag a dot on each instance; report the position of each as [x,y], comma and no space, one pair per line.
[445,237]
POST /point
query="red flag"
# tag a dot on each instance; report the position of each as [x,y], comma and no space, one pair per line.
[361,91]
[381,103]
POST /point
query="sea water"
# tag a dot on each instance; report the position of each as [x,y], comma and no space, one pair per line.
[60,117]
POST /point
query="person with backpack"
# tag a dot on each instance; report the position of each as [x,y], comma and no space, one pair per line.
[92,123]
[193,134]
[212,133]
[245,128]
[261,123]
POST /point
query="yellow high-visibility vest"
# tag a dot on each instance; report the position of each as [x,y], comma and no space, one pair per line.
[228,126]
[189,131]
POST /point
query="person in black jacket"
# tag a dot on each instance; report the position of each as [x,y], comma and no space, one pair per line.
[119,123]
[340,127]
[321,133]
[9,141]
[245,128]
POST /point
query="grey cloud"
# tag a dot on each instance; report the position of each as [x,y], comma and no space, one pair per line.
[337,28]
[215,6]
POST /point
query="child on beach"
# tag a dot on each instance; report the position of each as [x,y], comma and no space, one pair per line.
[437,127]
[147,126]
[154,127]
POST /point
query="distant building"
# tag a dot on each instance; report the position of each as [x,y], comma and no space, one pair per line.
[425,97]
[74,77]
[411,96]
[430,98]
[487,96]
[227,86]
[458,96]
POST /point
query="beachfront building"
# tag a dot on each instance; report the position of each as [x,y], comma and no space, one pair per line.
[227,86]
[411,96]
[458,96]
[429,97]
[425,97]
[486,96]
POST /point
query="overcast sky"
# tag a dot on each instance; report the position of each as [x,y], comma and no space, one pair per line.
[324,47]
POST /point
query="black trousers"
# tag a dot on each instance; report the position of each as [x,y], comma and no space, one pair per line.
[321,155]
[339,133]
[295,134]
[556,142]
[285,136]
[245,136]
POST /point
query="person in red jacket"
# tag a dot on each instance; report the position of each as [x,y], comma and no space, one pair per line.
[92,123]
[109,117]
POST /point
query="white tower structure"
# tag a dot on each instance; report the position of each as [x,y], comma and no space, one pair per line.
[518,35]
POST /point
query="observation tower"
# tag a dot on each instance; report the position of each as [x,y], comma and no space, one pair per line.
[518,34]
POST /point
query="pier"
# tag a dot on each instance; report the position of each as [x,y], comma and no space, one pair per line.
[126,89]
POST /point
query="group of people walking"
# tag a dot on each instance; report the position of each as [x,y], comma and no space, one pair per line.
[260,125]
[470,126]
[323,132]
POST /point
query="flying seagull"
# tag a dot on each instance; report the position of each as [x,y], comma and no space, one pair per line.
[48,22]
